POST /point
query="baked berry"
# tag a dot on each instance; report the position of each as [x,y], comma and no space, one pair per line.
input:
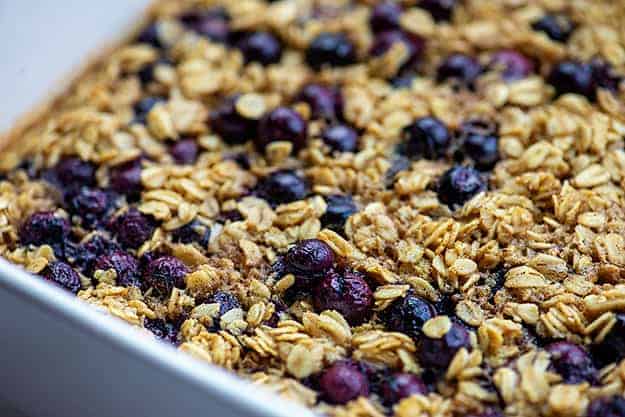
[164,273]
[441,10]
[459,184]
[399,163]
[604,75]
[90,204]
[225,300]
[73,173]
[143,107]
[151,35]
[193,232]
[146,73]
[346,292]
[125,179]
[460,68]
[261,47]
[403,80]
[211,24]
[330,49]
[86,253]
[385,16]
[401,385]
[44,228]
[480,143]
[488,412]
[341,138]
[229,216]
[572,362]
[324,102]
[63,275]
[427,137]
[228,123]
[413,43]
[613,406]
[184,151]
[162,330]
[310,256]
[343,382]
[612,348]
[132,228]
[556,26]
[282,124]
[511,64]
[573,77]
[125,266]
[408,315]
[438,353]
[338,210]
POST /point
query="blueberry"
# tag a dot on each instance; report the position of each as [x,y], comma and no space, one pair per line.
[413,43]
[310,256]
[324,102]
[573,77]
[488,412]
[230,125]
[346,292]
[343,382]
[86,253]
[613,406]
[225,300]
[63,275]
[399,163]
[74,172]
[164,273]
[44,228]
[408,315]
[151,35]
[427,137]
[557,27]
[184,151]
[512,64]
[90,204]
[572,362]
[461,68]
[612,348]
[143,107]
[338,210]
[146,73]
[193,232]
[441,10]
[604,75]
[282,187]
[480,143]
[132,228]
[211,24]
[438,353]
[385,16]
[459,184]
[341,138]
[403,80]
[125,266]
[261,47]
[282,124]
[126,179]
[330,49]
[229,216]
[162,330]
[401,385]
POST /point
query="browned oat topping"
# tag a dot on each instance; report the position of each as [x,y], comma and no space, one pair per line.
[403,207]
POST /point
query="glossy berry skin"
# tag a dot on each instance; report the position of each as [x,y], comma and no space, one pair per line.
[225,300]
[261,47]
[184,151]
[557,27]
[282,124]
[44,228]
[63,275]
[338,210]
[73,173]
[343,382]
[346,292]
[125,266]
[572,362]
[461,68]
[211,24]
[573,77]
[459,184]
[480,143]
[230,125]
[143,107]
[401,385]
[413,43]
[310,257]
[427,137]
[330,49]
[612,348]
[607,407]
[385,16]
[341,138]
[438,353]
[441,10]
[325,102]
[194,232]
[164,273]
[162,330]
[125,179]
[408,315]
[282,187]
[512,64]
[132,228]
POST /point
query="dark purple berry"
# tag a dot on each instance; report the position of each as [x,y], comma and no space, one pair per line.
[311,256]
[132,228]
[341,138]
[438,353]
[459,184]
[282,187]
[162,330]
[480,143]
[151,36]
[125,266]
[225,300]
[165,273]
[408,315]
[512,64]
[385,16]
[604,75]
[556,27]
[261,47]
[90,204]
[573,77]
[74,172]
[63,275]
[44,228]
[401,385]
[347,292]
[330,49]
[282,124]
[426,137]
[612,348]
[413,43]
[143,107]
[343,382]
[613,406]
[399,163]
[572,362]
[324,102]
[403,80]
[184,151]
[194,232]
[86,253]
[460,68]
[126,179]
[211,24]
[146,73]
[441,10]
[488,412]
[338,210]
[229,216]
[233,128]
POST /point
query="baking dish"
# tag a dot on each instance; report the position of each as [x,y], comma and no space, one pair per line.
[60,357]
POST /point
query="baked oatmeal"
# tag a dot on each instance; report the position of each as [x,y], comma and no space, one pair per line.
[410,208]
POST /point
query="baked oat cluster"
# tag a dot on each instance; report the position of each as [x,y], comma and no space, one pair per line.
[410,208]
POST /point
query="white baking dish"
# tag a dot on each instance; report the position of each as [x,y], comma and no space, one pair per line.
[58,356]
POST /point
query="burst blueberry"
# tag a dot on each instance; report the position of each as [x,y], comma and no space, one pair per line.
[132,228]
[408,315]
[343,382]
[325,102]
[604,75]
[511,64]
[572,362]
[612,348]
[573,77]
[310,256]
[162,329]
[143,107]
[341,138]
[460,68]
[73,173]
[90,204]
[125,179]
[164,273]
[228,123]
[211,24]
[385,16]
[441,10]
[193,232]
[613,406]
[414,46]
[438,353]
[459,184]
[480,143]
[427,137]
[346,292]
[330,49]
[226,301]
[556,26]
[86,253]
[338,210]
[44,228]
[282,124]
[151,35]
[125,266]
[261,47]
[184,151]
[401,385]
[63,275]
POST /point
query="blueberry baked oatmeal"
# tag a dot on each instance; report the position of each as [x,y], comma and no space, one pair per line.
[410,208]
